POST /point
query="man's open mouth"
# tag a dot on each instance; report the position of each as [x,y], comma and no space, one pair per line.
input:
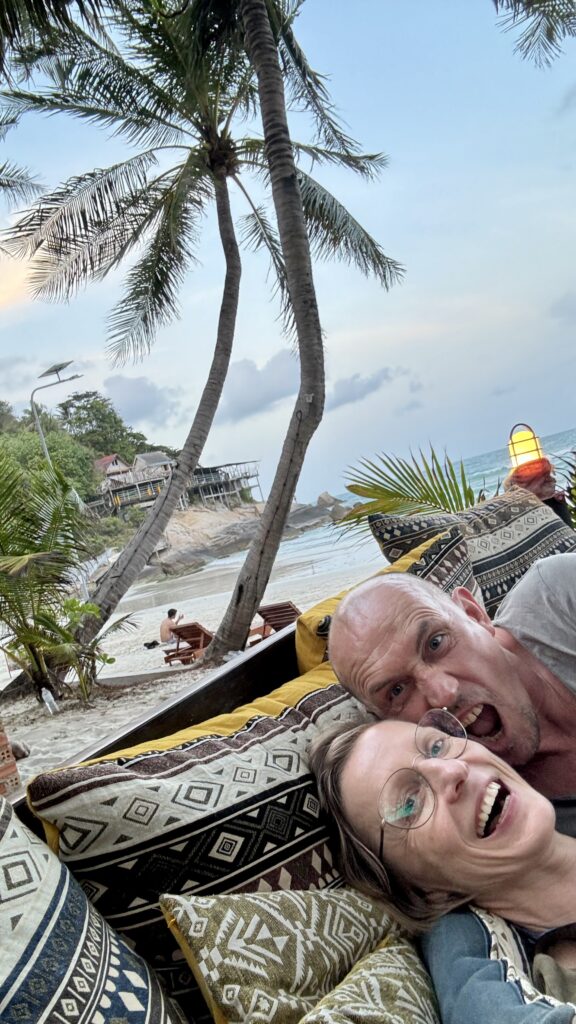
[491,809]
[482,722]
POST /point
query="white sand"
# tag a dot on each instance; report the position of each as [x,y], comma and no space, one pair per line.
[303,580]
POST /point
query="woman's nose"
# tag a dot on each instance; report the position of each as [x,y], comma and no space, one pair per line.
[445,774]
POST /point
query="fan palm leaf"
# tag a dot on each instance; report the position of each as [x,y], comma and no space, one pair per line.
[399,486]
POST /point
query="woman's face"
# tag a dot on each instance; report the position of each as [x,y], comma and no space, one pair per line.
[487,826]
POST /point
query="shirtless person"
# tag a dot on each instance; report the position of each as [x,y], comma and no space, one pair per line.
[167,625]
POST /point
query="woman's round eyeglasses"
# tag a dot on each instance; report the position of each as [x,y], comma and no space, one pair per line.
[407,799]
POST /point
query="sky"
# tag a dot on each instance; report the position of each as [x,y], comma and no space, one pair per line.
[477,202]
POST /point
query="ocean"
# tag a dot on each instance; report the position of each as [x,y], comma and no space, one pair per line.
[324,552]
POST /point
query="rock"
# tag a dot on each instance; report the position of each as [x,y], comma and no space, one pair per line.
[338,511]
[326,500]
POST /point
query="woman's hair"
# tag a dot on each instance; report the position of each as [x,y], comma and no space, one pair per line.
[413,907]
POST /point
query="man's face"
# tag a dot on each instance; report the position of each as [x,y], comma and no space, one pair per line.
[402,651]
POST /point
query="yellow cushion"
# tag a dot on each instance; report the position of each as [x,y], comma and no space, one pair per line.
[311,648]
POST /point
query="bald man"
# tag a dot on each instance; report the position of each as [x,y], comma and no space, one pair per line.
[402,646]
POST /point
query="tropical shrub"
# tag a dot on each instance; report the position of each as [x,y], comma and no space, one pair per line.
[43,531]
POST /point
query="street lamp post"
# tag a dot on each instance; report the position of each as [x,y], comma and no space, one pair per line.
[57,369]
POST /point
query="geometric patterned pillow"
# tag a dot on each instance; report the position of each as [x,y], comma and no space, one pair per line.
[273,956]
[228,805]
[60,961]
[504,536]
[388,986]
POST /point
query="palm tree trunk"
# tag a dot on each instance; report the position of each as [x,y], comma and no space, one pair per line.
[307,414]
[135,556]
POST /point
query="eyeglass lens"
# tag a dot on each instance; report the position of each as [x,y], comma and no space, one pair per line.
[407,800]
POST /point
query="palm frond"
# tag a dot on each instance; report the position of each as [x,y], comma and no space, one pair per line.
[257,234]
[150,299]
[78,208]
[16,183]
[18,17]
[401,486]
[367,165]
[334,232]
[545,25]
[306,87]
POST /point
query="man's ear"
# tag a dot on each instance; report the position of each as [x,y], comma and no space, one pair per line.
[472,608]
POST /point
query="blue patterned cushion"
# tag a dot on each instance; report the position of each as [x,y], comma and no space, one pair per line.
[60,961]
[503,535]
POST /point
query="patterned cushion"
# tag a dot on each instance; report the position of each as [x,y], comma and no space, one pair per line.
[504,536]
[442,559]
[227,805]
[388,986]
[271,957]
[60,961]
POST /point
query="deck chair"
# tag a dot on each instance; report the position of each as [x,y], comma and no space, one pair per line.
[192,638]
[275,617]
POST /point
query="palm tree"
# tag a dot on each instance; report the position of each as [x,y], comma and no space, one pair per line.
[173,100]
[19,17]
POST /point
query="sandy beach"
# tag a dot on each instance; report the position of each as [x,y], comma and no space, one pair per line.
[307,570]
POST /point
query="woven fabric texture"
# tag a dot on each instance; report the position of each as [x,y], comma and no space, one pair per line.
[503,535]
[272,957]
[60,960]
[209,813]
[388,986]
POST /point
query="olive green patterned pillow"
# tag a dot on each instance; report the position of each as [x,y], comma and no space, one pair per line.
[388,986]
[273,956]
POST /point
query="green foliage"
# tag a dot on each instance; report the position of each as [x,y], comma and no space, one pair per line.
[114,531]
[43,535]
[73,459]
[93,420]
[401,486]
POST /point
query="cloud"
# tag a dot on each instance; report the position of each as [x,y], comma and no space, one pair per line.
[249,390]
[409,407]
[14,290]
[353,389]
[139,400]
[564,308]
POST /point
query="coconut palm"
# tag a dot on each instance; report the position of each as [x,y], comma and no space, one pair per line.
[178,106]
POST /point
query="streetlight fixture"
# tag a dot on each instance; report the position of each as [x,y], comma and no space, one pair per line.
[57,369]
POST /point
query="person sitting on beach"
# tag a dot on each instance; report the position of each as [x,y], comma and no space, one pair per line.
[167,625]
[427,820]
[539,478]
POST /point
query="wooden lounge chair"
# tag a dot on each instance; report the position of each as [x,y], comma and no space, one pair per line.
[275,617]
[192,638]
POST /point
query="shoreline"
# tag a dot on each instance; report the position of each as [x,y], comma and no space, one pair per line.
[304,574]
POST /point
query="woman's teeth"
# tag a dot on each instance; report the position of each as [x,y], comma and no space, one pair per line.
[490,795]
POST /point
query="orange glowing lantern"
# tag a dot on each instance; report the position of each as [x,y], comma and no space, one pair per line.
[524,446]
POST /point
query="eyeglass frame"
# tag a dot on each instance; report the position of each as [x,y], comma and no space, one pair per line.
[462,734]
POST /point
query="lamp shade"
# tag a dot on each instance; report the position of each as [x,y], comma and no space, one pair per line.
[524,446]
